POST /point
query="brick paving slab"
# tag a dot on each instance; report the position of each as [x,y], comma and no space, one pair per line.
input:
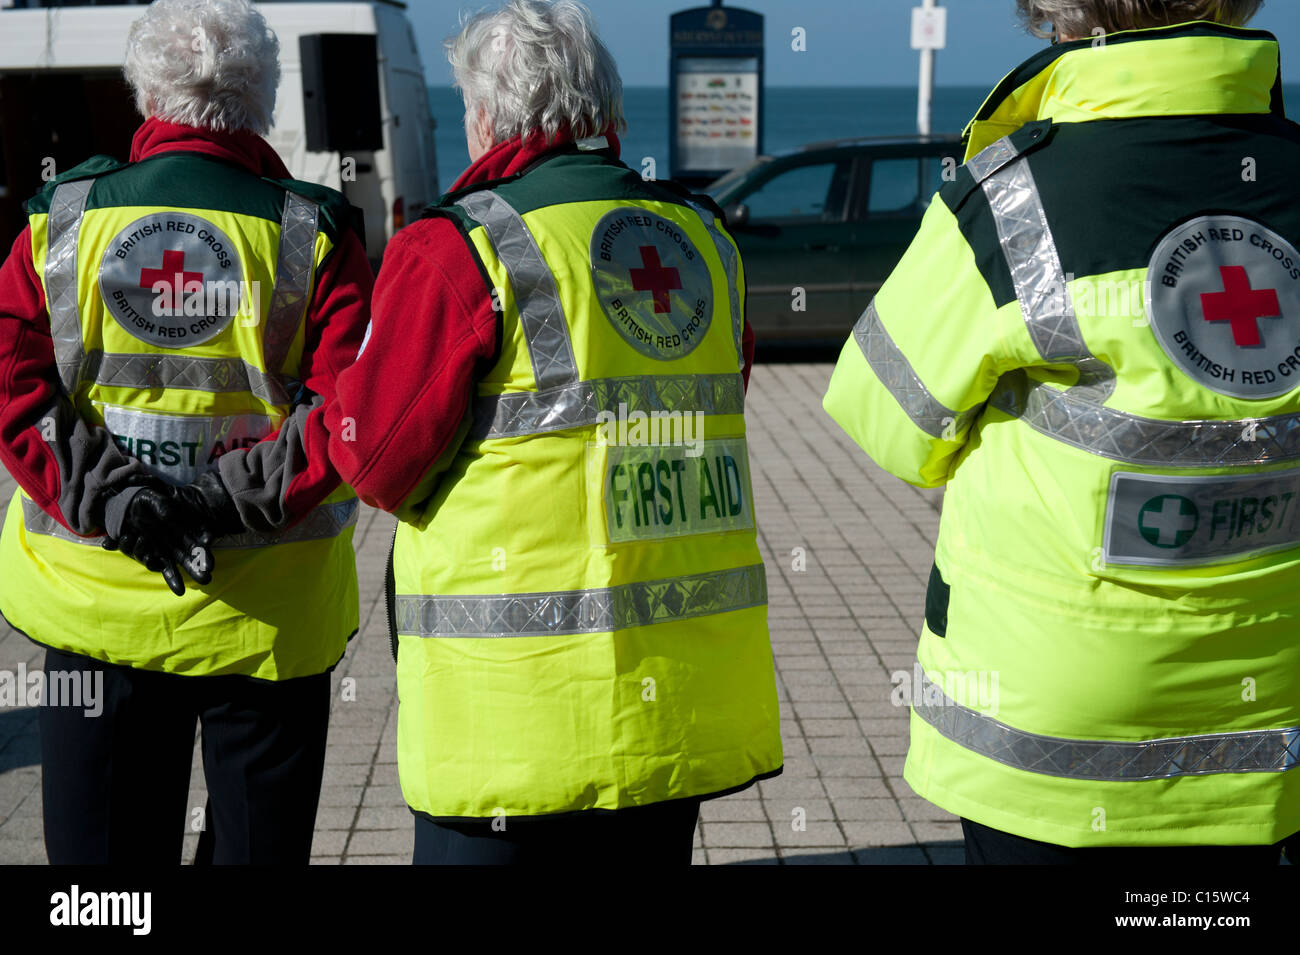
[848,551]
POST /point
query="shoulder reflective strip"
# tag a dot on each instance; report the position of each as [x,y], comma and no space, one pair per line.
[602,610]
[215,375]
[62,227]
[294,267]
[1035,265]
[900,380]
[1132,439]
[540,313]
[327,520]
[990,159]
[578,404]
[1253,751]
[730,265]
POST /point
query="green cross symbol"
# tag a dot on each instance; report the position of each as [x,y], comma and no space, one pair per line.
[1168,520]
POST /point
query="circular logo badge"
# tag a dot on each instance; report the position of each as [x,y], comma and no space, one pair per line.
[1223,296]
[652,282]
[171,279]
[1168,520]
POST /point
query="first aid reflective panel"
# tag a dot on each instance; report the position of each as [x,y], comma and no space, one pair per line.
[1162,520]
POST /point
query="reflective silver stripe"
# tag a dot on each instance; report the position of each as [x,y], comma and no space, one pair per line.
[602,610]
[1252,751]
[324,521]
[1136,440]
[215,375]
[1035,265]
[294,267]
[577,405]
[62,227]
[540,312]
[730,265]
[991,158]
[900,380]
[327,520]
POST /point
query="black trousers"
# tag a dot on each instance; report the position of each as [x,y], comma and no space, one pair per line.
[985,846]
[657,834]
[116,785]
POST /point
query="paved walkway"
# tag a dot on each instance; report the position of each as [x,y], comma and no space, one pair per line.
[848,552]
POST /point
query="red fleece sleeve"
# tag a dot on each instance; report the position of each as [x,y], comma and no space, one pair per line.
[336,327]
[69,467]
[27,377]
[399,409]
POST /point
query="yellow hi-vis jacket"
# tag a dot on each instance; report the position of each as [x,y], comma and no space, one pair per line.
[179,378]
[581,608]
[1094,343]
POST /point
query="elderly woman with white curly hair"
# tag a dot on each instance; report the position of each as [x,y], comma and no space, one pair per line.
[577,602]
[170,328]
[1094,343]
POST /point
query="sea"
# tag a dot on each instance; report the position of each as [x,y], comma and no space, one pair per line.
[794,116]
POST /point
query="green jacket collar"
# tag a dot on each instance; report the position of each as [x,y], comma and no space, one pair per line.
[1186,69]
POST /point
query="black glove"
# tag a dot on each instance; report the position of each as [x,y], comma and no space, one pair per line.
[208,498]
[162,531]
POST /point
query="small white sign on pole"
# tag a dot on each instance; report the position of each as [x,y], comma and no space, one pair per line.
[929,28]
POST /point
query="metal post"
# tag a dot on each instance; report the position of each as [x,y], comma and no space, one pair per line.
[925,87]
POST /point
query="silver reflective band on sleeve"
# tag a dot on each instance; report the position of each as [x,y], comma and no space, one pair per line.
[602,610]
[62,227]
[327,520]
[1252,751]
[215,375]
[578,404]
[540,312]
[901,381]
[294,267]
[1132,439]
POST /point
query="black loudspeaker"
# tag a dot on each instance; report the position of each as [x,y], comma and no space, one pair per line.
[340,92]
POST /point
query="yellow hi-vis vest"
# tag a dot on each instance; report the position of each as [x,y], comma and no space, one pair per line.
[179,379]
[1094,342]
[581,607]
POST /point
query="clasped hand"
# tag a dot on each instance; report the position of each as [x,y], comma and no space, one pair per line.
[166,528]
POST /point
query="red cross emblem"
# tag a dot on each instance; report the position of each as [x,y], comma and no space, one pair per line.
[172,273]
[1240,305]
[655,278]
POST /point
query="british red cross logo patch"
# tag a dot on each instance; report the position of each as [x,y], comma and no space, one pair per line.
[172,279]
[1223,299]
[652,281]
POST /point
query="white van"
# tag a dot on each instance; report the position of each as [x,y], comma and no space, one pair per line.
[352,111]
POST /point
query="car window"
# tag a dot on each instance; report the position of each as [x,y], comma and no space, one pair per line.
[814,192]
[905,185]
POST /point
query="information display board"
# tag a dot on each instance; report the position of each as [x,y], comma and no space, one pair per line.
[715,92]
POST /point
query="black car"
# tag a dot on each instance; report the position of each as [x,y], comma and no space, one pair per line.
[821,228]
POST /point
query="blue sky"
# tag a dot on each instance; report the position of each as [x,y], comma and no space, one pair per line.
[850,42]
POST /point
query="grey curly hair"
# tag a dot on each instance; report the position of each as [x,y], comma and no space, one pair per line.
[537,66]
[208,63]
[1081,17]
